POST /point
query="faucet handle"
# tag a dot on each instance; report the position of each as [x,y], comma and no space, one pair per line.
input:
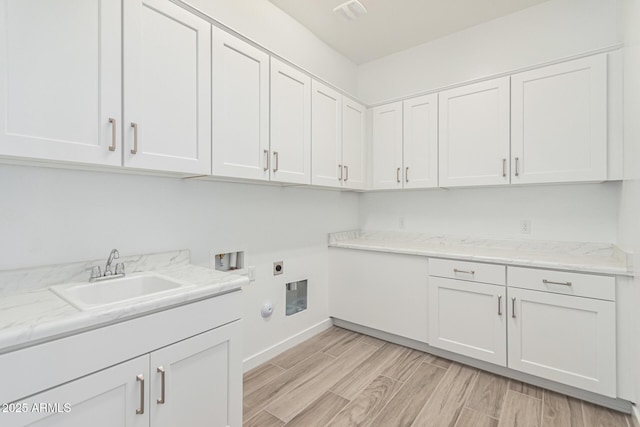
[120,268]
[95,272]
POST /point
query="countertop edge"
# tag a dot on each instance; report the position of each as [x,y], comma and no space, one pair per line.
[485,258]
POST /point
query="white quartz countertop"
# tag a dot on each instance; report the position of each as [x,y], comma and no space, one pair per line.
[601,258]
[31,314]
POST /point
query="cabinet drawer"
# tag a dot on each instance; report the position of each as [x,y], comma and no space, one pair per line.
[583,285]
[470,271]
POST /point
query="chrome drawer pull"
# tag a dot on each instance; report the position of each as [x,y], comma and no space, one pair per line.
[398,175]
[134,150]
[513,307]
[160,369]
[346,173]
[140,378]
[455,270]
[517,168]
[504,167]
[265,167]
[499,305]
[114,132]
[549,282]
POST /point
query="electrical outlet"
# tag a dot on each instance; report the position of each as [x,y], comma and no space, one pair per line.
[278,268]
[525,226]
[251,273]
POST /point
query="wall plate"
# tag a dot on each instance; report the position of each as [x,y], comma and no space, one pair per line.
[278,268]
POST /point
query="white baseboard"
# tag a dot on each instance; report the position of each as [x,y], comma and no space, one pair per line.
[261,357]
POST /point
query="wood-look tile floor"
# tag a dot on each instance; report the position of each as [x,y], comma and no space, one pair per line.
[342,378]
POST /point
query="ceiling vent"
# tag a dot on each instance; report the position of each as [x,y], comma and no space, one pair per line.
[351,10]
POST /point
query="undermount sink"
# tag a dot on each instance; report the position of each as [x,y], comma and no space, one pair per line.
[86,295]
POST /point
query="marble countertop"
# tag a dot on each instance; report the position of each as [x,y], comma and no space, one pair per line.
[601,258]
[30,313]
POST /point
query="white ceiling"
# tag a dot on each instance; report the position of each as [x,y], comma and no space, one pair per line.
[394,25]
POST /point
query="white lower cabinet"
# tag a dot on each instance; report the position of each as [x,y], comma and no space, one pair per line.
[466,314]
[387,292]
[570,339]
[109,398]
[188,383]
[560,326]
[468,318]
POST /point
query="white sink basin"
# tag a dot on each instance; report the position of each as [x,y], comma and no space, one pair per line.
[86,296]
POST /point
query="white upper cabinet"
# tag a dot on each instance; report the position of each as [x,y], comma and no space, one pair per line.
[167,76]
[474,134]
[420,152]
[559,122]
[240,108]
[353,144]
[290,124]
[60,74]
[387,146]
[326,136]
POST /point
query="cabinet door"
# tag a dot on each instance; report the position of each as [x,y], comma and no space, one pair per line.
[390,297]
[559,122]
[420,151]
[326,136]
[109,398]
[240,108]
[474,134]
[167,75]
[290,124]
[354,144]
[387,146]
[202,380]
[468,318]
[60,68]
[571,340]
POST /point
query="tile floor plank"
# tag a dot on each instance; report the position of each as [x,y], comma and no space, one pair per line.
[342,344]
[293,402]
[596,416]
[320,412]
[403,408]
[354,382]
[373,341]
[259,376]
[521,410]
[282,384]
[295,355]
[529,390]
[444,407]
[561,411]
[368,403]
[470,418]
[488,394]
[263,419]
[438,361]
[406,364]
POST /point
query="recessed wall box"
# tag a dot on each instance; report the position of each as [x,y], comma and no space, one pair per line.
[231,261]
[296,297]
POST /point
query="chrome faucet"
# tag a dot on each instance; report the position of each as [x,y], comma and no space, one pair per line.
[113,255]
[97,275]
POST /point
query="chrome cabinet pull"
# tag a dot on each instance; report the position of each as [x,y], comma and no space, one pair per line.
[455,270]
[134,150]
[160,369]
[114,132]
[266,161]
[346,173]
[275,158]
[499,305]
[341,172]
[504,167]
[517,168]
[513,307]
[406,174]
[398,175]
[140,378]
[549,282]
